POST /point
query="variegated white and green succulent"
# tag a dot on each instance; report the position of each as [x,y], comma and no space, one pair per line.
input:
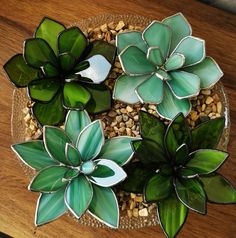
[164,65]
[76,168]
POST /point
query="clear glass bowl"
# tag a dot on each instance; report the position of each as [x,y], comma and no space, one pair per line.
[20,100]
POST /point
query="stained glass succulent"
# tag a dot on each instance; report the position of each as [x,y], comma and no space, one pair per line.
[164,65]
[177,168]
[62,70]
[75,169]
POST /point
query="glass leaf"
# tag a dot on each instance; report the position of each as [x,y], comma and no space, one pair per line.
[18,72]
[176,61]
[125,86]
[92,135]
[154,55]
[109,176]
[75,122]
[186,172]
[78,195]
[50,71]
[71,174]
[137,176]
[208,71]
[33,154]
[181,154]
[193,50]
[75,96]
[180,28]
[207,134]
[67,61]
[104,206]
[157,188]
[191,193]
[43,89]
[55,140]
[37,53]
[49,30]
[134,62]
[205,161]
[172,214]
[151,90]
[72,154]
[118,149]
[80,66]
[125,39]
[51,113]
[49,179]
[218,189]
[72,40]
[158,34]
[50,206]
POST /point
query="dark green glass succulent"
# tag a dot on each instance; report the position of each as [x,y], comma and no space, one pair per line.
[177,168]
[62,70]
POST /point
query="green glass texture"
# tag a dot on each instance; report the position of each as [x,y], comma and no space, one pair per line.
[172,214]
[33,154]
[183,84]
[88,167]
[101,171]
[92,134]
[175,61]
[43,89]
[207,134]
[151,90]
[76,121]
[154,55]
[118,149]
[163,75]
[151,128]
[72,40]
[104,206]
[49,30]
[206,161]
[181,154]
[73,155]
[158,34]
[134,62]
[50,207]
[180,28]
[75,96]
[186,172]
[208,71]
[37,53]
[80,66]
[50,71]
[191,193]
[125,86]
[126,39]
[55,140]
[157,188]
[171,106]
[218,189]
[193,50]
[49,179]
[78,195]
[67,61]
[71,174]
[19,73]
[51,113]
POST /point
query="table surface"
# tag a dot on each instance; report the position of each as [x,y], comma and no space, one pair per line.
[18,20]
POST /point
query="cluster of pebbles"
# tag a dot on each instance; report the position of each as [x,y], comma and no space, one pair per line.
[122,119]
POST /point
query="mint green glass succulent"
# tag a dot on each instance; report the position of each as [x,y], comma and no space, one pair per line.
[164,65]
[76,169]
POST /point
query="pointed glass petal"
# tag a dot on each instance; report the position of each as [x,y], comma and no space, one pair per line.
[92,135]
[33,154]
[125,39]
[125,86]
[73,156]
[134,61]
[208,71]
[171,106]
[154,55]
[50,71]
[67,61]
[183,84]
[76,121]
[193,50]
[175,61]
[104,206]
[50,206]
[158,34]
[78,195]
[181,154]
[180,28]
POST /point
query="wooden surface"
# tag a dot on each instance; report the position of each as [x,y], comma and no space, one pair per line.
[18,20]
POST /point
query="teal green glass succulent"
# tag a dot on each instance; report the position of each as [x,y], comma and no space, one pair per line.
[164,65]
[76,169]
[62,70]
[177,168]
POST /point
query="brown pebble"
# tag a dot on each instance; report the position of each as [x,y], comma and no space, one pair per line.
[120,25]
[112,114]
[209,100]
[135,212]
[143,212]
[206,92]
[219,107]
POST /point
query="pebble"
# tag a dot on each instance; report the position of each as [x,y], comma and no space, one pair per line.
[219,107]
[112,114]
[143,212]
[120,25]
[209,100]
[104,28]
[129,109]
[206,92]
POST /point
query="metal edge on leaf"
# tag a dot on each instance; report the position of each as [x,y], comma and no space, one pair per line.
[183,60]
